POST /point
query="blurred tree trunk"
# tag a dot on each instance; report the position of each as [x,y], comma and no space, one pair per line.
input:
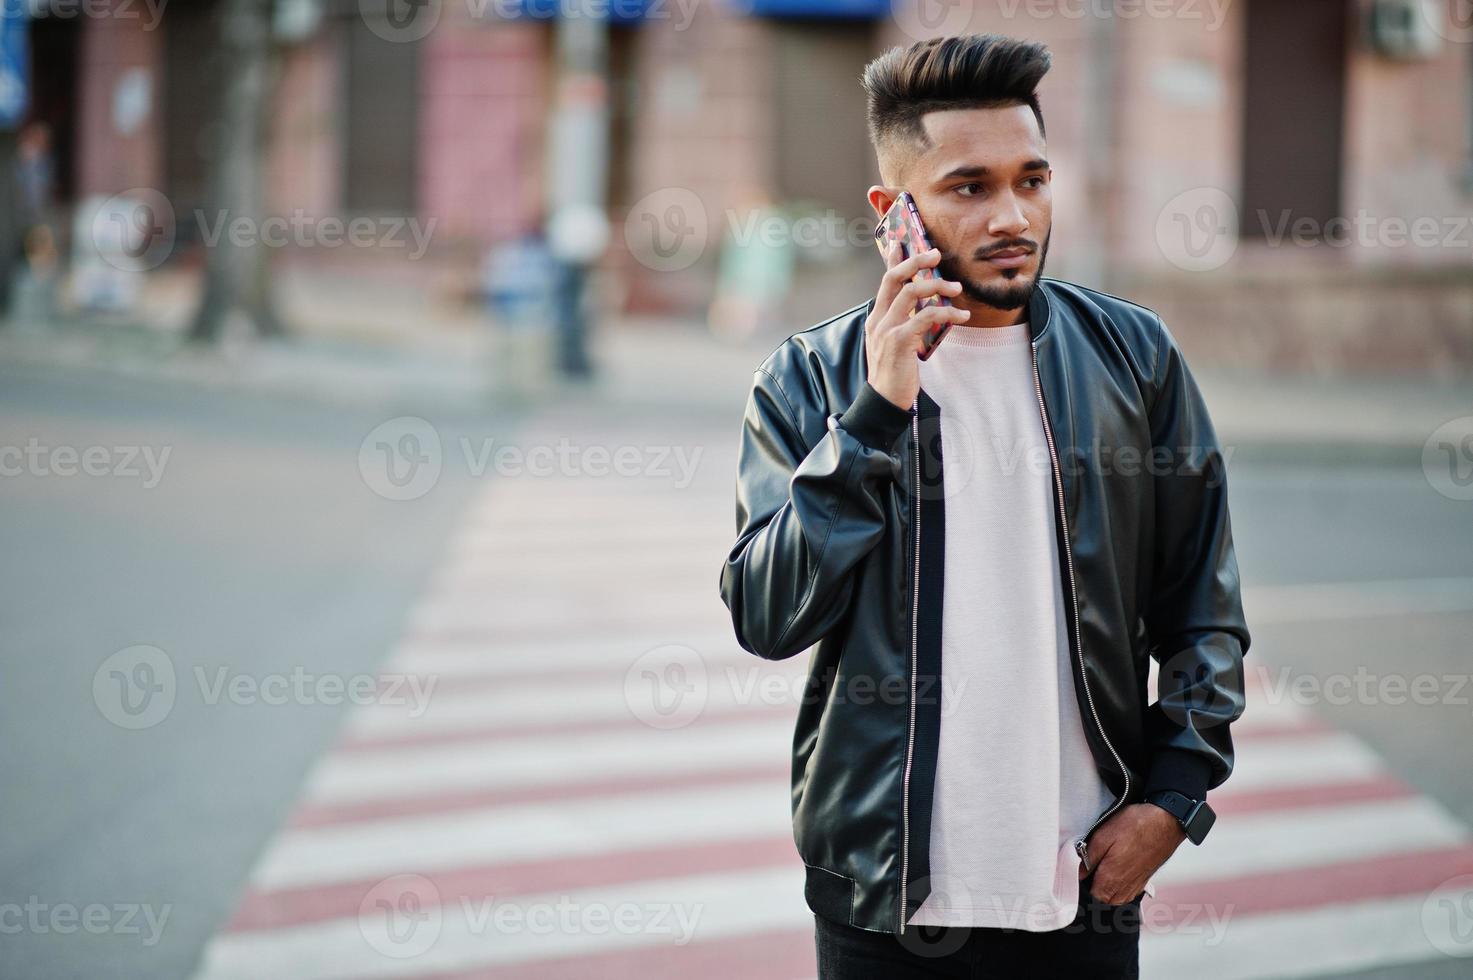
[238,274]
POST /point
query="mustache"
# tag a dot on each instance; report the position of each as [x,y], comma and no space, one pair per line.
[993,249]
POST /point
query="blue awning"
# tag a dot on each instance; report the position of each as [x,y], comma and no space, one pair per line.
[868,9]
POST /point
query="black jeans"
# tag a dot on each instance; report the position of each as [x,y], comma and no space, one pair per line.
[1102,943]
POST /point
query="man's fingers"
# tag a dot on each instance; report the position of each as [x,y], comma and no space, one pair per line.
[913,293]
[942,314]
[894,255]
[905,270]
[924,320]
[901,273]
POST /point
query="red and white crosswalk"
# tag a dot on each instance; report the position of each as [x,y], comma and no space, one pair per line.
[596,784]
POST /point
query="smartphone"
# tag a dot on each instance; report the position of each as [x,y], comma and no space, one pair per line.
[902,223]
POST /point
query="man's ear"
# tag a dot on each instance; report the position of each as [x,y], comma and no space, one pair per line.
[881,197]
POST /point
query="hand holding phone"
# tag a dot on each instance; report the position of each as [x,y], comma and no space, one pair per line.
[912,311]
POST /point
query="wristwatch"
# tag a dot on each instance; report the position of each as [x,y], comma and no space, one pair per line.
[1195,816]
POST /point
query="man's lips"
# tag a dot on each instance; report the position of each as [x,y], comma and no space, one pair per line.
[1009,258]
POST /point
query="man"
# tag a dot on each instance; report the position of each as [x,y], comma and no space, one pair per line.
[978,777]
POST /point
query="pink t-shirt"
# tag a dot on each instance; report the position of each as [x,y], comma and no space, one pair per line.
[1016,782]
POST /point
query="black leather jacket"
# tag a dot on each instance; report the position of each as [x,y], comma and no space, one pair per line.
[841,526]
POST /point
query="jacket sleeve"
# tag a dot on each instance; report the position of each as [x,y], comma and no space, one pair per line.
[805,515]
[1195,621]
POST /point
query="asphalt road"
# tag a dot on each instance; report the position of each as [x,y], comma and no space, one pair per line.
[260,558]
[260,561]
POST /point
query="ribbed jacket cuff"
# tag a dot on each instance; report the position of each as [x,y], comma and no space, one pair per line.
[1177,769]
[874,419]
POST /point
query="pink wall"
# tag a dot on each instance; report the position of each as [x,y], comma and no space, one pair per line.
[482,113]
[109,161]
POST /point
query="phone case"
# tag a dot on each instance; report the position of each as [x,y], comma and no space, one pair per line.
[902,223]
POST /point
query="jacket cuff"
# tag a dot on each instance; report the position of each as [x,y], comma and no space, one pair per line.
[1185,772]
[874,419]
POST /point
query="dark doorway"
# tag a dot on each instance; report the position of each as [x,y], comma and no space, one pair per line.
[380,123]
[1294,115]
[191,107]
[54,42]
[822,146]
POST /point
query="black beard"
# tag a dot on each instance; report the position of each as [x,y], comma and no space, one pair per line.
[1007,297]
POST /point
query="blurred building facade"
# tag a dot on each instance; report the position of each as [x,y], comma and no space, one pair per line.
[1289,181]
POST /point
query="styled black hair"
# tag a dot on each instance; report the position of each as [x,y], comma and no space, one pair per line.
[969,71]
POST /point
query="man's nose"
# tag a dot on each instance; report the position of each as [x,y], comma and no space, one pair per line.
[1008,221]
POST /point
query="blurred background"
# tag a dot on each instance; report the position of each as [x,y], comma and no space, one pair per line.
[372,372]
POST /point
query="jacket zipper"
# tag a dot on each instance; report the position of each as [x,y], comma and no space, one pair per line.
[1080,843]
[915,607]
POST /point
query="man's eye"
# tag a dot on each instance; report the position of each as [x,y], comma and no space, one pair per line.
[1034,182]
[968,190]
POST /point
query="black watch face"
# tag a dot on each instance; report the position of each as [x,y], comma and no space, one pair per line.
[1199,823]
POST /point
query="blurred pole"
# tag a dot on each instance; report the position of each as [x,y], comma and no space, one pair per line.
[1099,149]
[577,175]
[237,276]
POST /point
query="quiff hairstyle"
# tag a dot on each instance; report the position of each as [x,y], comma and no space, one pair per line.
[969,71]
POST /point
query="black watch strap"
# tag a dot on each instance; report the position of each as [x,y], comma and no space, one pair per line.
[1195,816]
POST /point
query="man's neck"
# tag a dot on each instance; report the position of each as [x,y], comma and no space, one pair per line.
[989,316]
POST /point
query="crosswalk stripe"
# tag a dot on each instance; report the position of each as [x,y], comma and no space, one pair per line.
[771,771]
[1402,872]
[1307,836]
[591,649]
[293,906]
[395,772]
[1323,941]
[657,912]
[570,828]
[587,681]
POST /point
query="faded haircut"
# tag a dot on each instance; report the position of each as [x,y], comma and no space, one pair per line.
[969,71]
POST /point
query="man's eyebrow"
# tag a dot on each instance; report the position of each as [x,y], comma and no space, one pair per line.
[977,170]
